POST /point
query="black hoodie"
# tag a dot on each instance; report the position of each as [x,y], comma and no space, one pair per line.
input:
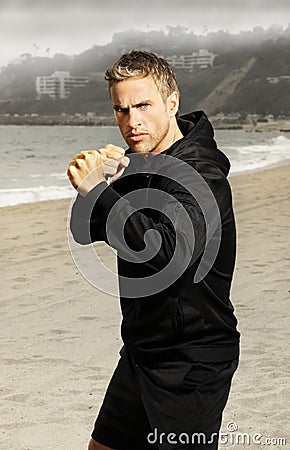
[171,220]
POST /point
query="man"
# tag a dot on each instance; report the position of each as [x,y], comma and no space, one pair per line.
[166,207]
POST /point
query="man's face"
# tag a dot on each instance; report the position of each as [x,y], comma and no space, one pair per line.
[141,114]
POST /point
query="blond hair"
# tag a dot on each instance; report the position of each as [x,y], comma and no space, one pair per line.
[139,63]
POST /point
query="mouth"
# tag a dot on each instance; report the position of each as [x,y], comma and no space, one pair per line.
[136,137]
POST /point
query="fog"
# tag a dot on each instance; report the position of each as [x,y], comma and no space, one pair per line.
[43,27]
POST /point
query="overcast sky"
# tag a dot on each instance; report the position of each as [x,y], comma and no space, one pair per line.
[71,26]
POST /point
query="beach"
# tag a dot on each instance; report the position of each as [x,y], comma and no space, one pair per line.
[60,336]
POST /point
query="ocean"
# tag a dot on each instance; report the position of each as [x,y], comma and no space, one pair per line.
[34,159]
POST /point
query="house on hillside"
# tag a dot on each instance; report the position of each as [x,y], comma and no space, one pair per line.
[58,85]
[197,60]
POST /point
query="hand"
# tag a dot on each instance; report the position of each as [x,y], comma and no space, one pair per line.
[115,162]
[89,168]
[85,171]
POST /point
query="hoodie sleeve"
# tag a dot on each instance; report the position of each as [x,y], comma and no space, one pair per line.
[105,215]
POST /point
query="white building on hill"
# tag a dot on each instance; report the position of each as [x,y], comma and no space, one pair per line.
[58,85]
[197,60]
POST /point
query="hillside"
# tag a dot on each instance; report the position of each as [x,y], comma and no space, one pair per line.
[237,82]
[222,93]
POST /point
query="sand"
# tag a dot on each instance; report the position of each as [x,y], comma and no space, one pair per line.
[60,336]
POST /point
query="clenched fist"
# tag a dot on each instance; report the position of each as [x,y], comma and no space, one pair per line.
[89,168]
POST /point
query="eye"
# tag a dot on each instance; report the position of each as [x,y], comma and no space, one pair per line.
[119,109]
[143,105]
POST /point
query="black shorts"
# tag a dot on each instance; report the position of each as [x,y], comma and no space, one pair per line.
[171,405]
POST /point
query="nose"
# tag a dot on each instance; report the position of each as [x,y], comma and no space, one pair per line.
[134,118]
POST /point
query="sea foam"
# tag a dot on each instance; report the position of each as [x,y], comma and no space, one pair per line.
[10,197]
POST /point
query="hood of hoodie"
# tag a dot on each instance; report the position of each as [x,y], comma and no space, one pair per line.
[198,142]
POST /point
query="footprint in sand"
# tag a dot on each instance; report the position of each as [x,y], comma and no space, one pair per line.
[21,279]
[88,318]
[17,398]
[59,331]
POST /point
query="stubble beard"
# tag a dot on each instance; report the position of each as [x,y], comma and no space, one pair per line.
[150,143]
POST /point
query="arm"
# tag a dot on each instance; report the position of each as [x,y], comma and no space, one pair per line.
[90,172]
[105,215]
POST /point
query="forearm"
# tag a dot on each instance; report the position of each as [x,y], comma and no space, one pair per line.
[86,223]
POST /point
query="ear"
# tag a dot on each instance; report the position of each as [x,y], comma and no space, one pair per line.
[173,103]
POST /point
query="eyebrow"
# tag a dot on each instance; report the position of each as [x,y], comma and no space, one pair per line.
[119,107]
[133,106]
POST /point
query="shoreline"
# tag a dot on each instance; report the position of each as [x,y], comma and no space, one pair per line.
[231,176]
